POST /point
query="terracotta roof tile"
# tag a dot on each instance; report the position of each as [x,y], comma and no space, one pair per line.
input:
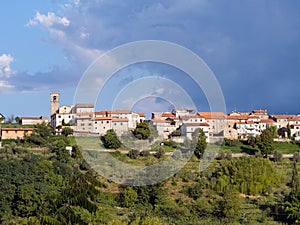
[212,115]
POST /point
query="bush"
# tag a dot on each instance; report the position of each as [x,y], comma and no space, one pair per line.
[170,143]
[133,153]
[160,153]
[230,142]
[194,191]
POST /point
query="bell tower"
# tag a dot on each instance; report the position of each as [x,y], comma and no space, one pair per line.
[54,102]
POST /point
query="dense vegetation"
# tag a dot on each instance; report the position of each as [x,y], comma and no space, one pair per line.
[51,185]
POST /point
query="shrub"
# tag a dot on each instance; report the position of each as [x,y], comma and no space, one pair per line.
[160,153]
[133,153]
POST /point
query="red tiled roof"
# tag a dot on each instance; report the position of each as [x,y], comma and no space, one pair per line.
[238,117]
[167,114]
[103,112]
[212,115]
[284,116]
[267,121]
[141,114]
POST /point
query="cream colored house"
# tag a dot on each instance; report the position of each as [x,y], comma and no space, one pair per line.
[34,120]
[15,133]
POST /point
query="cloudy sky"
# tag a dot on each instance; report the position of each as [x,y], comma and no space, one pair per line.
[252,47]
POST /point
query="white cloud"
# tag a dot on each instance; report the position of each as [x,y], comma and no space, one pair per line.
[5,87]
[48,20]
[5,69]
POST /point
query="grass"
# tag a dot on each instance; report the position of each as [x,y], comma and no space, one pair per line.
[286,147]
[282,147]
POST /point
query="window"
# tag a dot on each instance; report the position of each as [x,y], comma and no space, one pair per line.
[107,121]
[16,132]
[95,122]
[115,124]
[121,124]
[59,116]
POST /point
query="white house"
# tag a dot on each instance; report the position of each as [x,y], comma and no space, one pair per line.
[34,120]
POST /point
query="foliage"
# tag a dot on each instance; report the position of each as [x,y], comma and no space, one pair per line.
[247,175]
[66,131]
[292,203]
[228,207]
[201,144]
[170,143]
[142,130]
[133,153]
[195,191]
[266,142]
[160,152]
[230,142]
[41,135]
[47,188]
[128,197]
[111,140]
[176,133]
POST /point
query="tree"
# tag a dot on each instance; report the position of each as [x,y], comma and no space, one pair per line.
[66,131]
[201,143]
[160,152]
[289,131]
[128,197]
[229,207]
[18,120]
[142,130]
[111,140]
[266,142]
[292,204]
[133,153]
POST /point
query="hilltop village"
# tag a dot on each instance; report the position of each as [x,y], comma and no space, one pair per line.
[177,124]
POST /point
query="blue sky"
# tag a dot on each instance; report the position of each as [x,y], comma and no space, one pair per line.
[253,48]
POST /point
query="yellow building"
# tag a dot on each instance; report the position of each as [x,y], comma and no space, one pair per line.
[15,133]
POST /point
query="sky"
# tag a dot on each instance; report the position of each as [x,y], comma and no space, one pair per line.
[251,46]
